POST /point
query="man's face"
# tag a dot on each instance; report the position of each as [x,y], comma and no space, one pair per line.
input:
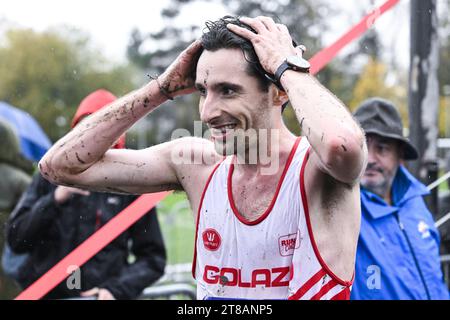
[231,101]
[383,162]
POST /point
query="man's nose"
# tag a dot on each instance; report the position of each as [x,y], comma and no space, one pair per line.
[209,109]
[371,154]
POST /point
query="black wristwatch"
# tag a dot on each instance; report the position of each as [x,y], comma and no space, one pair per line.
[296,63]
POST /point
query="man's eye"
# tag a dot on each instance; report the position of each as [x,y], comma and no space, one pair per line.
[202,91]
[227,91]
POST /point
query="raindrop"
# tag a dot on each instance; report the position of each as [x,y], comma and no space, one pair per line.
[61,121]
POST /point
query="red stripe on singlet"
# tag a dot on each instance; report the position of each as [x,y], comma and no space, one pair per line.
[343,295]
[324,290]
[308,285]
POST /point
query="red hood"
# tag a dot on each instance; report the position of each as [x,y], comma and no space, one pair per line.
[92,103]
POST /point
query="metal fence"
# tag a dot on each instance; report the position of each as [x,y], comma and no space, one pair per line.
[177,283]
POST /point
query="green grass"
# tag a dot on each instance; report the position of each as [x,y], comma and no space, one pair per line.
[444,185]
[177,225]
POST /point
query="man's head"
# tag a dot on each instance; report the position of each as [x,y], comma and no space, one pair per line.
[386,144]
[235,94]
[92,103]
[218,37]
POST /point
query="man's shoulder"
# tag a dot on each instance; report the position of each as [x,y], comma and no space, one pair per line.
[195,151]
[195,143]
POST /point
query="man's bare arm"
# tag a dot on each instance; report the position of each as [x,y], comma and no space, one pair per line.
[83,158]
[337,140]
[153,169]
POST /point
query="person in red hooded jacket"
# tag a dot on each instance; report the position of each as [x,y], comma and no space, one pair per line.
[50,221]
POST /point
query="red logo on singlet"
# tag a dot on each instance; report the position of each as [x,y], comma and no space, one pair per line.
[211,239]
[274,277]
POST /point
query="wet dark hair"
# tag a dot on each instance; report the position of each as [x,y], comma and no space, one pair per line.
[217,36]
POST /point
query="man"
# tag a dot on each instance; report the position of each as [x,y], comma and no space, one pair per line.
[398,248]
[15,173]
[50,221]
[263,230]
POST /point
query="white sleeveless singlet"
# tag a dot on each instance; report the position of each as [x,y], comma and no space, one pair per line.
[273,257]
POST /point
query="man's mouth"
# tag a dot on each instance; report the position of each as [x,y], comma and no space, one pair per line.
[222,131]
[372,172]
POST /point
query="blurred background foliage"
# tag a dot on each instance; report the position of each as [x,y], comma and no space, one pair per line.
[48,73]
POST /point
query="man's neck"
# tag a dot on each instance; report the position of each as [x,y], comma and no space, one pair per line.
[387,197]
[268,158]
[384,194]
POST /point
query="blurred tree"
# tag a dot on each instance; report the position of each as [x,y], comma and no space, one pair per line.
[444,86]
[372,82]
[444,116]
[370,44]
[306,19]
[48,73]
[444,45]
[443,71]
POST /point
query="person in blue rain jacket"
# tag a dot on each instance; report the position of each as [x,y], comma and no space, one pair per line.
[398,248]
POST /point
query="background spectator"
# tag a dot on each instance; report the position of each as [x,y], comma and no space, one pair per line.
[50,221]
[398,248]
[15,177]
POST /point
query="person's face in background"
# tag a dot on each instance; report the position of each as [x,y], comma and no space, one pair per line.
[384,159]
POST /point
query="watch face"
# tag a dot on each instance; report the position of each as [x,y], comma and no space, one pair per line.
[298,62]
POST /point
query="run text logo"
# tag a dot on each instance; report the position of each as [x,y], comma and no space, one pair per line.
[289,243]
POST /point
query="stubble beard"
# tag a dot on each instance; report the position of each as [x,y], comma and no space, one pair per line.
[379,188]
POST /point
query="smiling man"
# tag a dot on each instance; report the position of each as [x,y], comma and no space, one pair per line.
[398,249]
[290,233]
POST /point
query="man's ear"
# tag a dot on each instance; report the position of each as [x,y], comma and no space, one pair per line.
[279,97]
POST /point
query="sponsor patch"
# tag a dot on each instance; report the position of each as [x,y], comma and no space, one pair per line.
[289,243]
[211,239]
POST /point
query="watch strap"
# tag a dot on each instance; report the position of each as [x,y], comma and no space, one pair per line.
[281,69]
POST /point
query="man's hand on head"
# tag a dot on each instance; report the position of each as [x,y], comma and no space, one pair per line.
[272,41]
[179,77]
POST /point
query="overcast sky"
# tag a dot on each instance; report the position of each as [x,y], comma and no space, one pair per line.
[109,22]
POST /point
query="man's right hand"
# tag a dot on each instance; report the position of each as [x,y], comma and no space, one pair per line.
[179,77]
[62,193]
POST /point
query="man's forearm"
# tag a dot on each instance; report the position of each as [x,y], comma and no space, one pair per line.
[324,120]
[89,140]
